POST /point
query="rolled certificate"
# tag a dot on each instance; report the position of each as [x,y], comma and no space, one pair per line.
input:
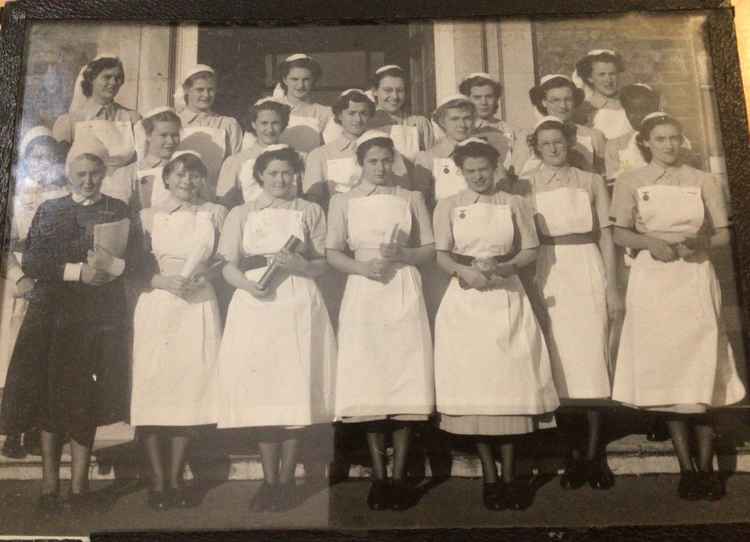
[290,246]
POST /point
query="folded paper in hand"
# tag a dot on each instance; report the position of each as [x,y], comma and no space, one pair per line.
[110,243]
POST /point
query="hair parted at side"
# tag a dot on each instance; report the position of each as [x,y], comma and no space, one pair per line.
[287,154]
[647,126]
[381,142]
[94,68]
[190,162]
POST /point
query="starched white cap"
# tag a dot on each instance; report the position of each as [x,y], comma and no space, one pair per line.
[644,85]
[269,99]
[552,76]
[156,110]
[477,140]
[595,52]
[548,118]
[198,68]
[453,98]
[183,153]
[372,134]
[37,131]
[388,67]
[654,115]
[297,56]
[483,75]
[106,55]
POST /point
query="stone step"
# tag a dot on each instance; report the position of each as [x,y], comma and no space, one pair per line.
[231,457]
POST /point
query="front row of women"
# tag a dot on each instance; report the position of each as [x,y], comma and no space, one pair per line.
[503,360]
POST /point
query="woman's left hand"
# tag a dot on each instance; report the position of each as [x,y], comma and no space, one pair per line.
[392,252]
[292,262]
[615,305]
[23,287]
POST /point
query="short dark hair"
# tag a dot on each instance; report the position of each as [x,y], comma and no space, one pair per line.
[631,93]
[165,116]
[647,126]
[475,150]
[189,161]
[382,142]
[393,71]
[539,93]
[480,81]
[437,115]
[342,102]
[568,131]
[285,67]
[281,109]
[288,155]
[585,66]
[94,68]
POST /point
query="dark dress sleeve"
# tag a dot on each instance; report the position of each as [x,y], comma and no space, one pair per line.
[49,235]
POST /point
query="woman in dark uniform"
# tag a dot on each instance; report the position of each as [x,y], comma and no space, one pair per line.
[69,370]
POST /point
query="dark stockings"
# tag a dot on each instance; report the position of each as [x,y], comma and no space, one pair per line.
[684,427]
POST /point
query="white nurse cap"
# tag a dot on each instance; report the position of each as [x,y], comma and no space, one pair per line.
[183,153]
[276,147]
[353,90]
[548,118]
[483,75]
[31,135]
[477,140]
[388,67]
[453,98]
[644,85]
[297,56]
[269,99]
[655,115]
[552,76]
[198,68]
[596,52]
[105,55]
[156,110]
[372,134]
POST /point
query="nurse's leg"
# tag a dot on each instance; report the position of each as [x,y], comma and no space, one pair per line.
[704,436]
[401,441]
[268,443]
[487,458]
[151,441]
[508,458]
[180,441]
[594,419]
[678,430]
[80,447]
[289,448]
[51,450]
[376,446]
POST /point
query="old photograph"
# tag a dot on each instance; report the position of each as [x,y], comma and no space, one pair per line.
[449,273]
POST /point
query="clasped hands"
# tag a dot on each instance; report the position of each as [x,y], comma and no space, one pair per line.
[101,267]
[664,251]
[382,269]
[485,273]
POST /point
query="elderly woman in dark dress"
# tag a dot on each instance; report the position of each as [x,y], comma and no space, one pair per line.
[69,370]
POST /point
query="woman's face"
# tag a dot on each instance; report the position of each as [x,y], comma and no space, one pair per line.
[485,100]
[664,142]
[183,184]
[279,179]
[299,83]
[377,165]
[354,118]
[559,102]
[40,162]
[552,147]
[86,177]
[604,78]
[391,94]
[164,139]
[458,123]
[479,174]
[268,126]
[106,84]
[201,95]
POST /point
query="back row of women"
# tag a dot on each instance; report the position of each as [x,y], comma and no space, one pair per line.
[499,244]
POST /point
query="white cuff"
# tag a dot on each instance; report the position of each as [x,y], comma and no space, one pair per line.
[116,267]
[14,274]
[72,272]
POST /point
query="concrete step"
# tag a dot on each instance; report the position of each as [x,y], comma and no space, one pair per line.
[233,456]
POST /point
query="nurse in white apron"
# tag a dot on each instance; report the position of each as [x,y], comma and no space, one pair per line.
[576,294]
[492,372]
[278,355]
[95,119]
[556,95]
[269,118]
[204,131]
[385,372]
[41,177]
[177,329]
[410,133]
[437,177]
[140,184]
[485,91]
[673,215]
[598,74]
[298,75]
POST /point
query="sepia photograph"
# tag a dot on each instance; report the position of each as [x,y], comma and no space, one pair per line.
[407,274]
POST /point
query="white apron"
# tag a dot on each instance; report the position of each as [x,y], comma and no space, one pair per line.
[674,348]
[159,191]
[278,355]
[490,356]
[251,190]
[385,349]
[211,144]
[448,178]
[303,134]
[116,137]
[611,122]
[572,282]
[176,341]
